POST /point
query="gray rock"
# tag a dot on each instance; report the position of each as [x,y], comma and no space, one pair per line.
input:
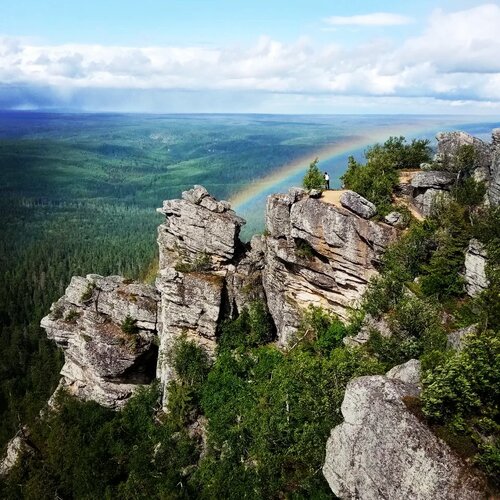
[493,193]
[426,200]
[296,193]
[17,448]
[102,363]
[383,450]
[448,147]
[395,219]
[357,204]
[315,193]
[345,249]
[434,179]
[195,195]
[456,339]
[408,372]
[475,268]
[197,225]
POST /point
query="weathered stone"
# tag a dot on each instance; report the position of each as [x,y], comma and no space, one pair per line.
[195,226]
[475,268]
[17,448]
[494,172]
[195,195]
[296,193]
[102,363]
[395,219]
[456,338]
[357,204]
[341,252]
[426,200]
[315,193]
[448,148]
[408,372]
[434,179]
[383,450]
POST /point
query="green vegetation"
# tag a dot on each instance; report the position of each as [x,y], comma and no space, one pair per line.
[129,326]
[314,179]
[201,264]
[376,179]
[253,421]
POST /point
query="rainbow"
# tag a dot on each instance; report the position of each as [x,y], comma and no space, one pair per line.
[246,197]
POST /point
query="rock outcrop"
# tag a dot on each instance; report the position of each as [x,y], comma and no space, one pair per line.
[384,450]
[204,270]
[17,448]
[475,268]
[357,204]
[428,187]
[448,148]
[494,173]
[319,254]
[102,362]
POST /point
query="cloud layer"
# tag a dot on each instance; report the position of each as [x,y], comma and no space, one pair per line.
[375,19]
[454,59]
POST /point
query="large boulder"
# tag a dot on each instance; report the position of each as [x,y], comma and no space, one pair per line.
[357,204]
[475,268]
[429,187]
[448,148]
[317,254]
[104,363]
[384,450]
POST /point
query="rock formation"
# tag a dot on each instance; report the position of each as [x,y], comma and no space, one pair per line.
[102,362]
[384,450]
[494,174]
[319,254]
[17,448]
[475,268]
[204,271]
[428,187]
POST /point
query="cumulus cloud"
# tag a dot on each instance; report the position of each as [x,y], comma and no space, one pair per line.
[375,19]
[454,59]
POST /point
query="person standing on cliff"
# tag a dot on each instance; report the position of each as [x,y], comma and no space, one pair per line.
[327,180]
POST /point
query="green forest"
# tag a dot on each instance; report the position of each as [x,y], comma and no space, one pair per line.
[267,413]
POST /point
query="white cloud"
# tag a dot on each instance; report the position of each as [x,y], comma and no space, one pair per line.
[375,19]
[454,59]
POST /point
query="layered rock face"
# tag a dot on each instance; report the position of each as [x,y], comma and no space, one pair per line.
[102,362]
[319,254]
[428,187]
[494,177]
[475,268]
[203,271]
[383,450]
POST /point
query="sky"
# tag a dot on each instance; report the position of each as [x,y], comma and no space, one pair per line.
[240,56]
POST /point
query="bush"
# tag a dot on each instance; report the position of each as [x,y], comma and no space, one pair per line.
[462,394]
[314,179]
[202,263]
[129,326]
[190,361]
[253,327]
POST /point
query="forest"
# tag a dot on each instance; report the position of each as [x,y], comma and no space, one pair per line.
[91,209]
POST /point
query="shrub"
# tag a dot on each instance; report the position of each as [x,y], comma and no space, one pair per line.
[251,328]
[87,294]
[462,394]
[202,263]
[190,361]
[129,325]
[303,249]
[314,179]
[71,316]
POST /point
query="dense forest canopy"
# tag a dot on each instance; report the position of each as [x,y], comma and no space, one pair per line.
[73,205]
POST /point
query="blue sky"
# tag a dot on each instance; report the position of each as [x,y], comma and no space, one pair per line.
[274,56]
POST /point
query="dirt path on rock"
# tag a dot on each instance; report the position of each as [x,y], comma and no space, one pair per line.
[332,196]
